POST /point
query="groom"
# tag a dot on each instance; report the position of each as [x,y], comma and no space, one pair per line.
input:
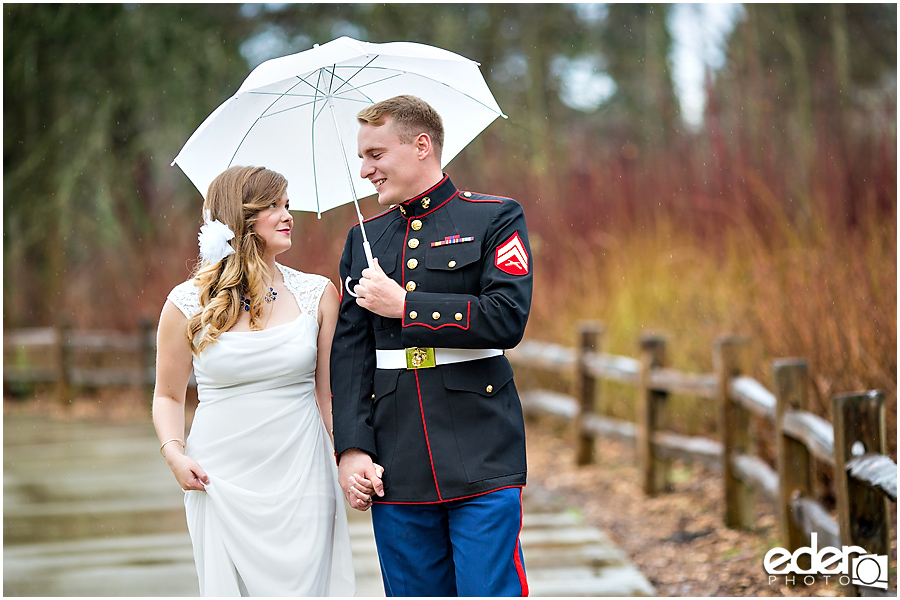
[420,382]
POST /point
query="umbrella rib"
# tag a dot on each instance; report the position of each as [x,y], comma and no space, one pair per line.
[304,105]
[249,129]
[394,75]
[312,101]
[438,81]
[358,71]
[259,93]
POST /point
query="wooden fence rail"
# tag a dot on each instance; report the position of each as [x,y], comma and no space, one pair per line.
[59,363]
[854,445]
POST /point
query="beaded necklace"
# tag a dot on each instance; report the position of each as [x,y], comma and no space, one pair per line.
[270,296]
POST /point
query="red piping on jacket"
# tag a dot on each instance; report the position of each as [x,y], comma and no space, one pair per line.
[491,199]
[428,191]
[508,487]
[466,328]
[427,441]
[482,200]
[381,214]
[403,268]
[436,207]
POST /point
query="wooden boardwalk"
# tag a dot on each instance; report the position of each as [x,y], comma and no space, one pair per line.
[91,510]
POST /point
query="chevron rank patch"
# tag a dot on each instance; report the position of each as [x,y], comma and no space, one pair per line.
[511,256]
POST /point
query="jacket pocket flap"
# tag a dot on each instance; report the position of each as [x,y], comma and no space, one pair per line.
[452,256]
[385,382]
[486,376]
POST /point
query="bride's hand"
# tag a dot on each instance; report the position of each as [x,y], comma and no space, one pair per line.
[189,474]
[356,473]
[362,489]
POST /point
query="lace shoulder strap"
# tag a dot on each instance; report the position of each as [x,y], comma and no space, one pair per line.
[186,297]
[306,287]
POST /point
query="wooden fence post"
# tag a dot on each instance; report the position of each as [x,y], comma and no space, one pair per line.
[789,378]
[590,335]
[63,360]
[650,404]
[859,428]
[147,356]
[740,498]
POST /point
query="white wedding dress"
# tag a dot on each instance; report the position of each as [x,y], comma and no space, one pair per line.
[272,520]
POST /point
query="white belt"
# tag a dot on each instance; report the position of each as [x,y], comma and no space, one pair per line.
[422,358]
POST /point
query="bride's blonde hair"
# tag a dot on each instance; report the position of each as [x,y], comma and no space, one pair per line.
[235,198]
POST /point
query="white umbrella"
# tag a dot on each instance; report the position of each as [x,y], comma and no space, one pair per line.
[297,115]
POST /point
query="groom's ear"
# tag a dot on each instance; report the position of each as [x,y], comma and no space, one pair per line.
[424,147]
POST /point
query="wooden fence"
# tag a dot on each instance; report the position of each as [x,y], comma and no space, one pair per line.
[854,445]
[69,358]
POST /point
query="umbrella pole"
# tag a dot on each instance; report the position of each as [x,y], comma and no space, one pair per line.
[366,247]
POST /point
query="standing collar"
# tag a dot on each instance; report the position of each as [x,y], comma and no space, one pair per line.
[429,200]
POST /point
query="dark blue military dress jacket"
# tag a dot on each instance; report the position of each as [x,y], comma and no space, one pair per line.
[454,430]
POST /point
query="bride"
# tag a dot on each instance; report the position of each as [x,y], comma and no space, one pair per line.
[264,509]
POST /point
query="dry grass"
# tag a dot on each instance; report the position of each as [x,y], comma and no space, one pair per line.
[827,298]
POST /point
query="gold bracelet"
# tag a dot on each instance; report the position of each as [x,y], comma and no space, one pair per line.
[166,442]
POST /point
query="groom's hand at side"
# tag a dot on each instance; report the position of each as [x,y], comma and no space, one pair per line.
[358,474]
[364,489]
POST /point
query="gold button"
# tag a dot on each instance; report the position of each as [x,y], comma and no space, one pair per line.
[451,264]
[413,243]
[467,194]
[412,263]
[435,315]
[413,314]
[410,286]
[458,316]
[416,225]
[373,396]
[489,389]
[426,201]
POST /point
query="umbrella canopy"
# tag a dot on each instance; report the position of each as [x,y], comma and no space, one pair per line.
[297,115]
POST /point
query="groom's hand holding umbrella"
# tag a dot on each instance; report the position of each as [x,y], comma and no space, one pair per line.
[379,293]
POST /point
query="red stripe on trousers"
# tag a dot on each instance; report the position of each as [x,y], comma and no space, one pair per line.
[520,569]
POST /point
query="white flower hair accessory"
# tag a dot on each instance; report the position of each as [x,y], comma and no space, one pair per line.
[213,239]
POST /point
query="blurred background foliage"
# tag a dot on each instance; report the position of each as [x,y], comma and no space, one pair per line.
[772,214]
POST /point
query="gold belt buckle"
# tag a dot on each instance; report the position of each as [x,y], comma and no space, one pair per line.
[420,358]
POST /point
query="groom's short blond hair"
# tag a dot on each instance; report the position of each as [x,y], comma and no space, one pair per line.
[411,116]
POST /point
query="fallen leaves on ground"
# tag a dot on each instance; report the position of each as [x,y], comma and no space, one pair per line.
[677,539]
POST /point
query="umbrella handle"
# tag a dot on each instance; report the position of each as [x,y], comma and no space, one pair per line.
[368,250]
[347,287]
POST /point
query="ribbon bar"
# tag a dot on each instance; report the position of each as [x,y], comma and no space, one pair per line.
[454,239]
